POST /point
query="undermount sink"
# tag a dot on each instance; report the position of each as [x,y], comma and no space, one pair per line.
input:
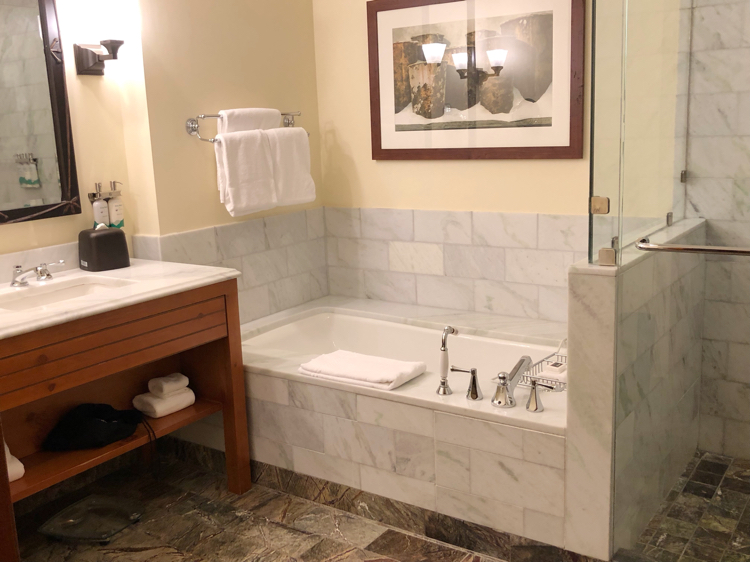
[55,291]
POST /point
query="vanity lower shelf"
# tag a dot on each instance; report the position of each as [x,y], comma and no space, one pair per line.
[43,469]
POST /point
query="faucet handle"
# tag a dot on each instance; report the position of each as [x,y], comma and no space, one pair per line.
[535,401]
[42,270]
[474,393]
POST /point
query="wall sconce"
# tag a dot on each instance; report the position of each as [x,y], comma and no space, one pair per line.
[497,59]
[433,52]
[90,58]
[461,61]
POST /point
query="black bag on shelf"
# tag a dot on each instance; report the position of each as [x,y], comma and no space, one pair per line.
[90,426]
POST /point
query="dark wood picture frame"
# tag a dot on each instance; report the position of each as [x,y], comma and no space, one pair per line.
[70,203]
[572,151]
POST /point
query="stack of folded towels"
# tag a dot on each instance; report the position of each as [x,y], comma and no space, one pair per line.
[260,165]
[16,469]
[363,370]
[166,395]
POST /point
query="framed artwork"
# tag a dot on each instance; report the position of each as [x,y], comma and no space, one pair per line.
[476,79]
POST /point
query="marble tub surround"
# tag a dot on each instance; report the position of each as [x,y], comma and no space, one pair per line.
[146,280]
[635,350]
[502,263]
[281,258]
[490,474]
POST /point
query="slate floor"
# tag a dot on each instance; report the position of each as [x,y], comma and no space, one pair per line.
[190,516]
[705,518]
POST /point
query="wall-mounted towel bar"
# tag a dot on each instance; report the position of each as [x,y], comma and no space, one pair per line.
[193,127]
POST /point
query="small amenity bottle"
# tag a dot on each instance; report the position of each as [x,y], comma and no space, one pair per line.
[101,210]
[116,208]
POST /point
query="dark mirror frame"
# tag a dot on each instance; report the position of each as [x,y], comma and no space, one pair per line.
[71,201]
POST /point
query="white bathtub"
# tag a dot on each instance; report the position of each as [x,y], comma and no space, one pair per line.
[280,350]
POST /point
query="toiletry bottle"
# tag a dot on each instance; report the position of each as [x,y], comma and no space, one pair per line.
[116,208]
[101,211]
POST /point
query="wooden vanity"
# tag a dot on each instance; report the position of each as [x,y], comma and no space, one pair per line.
[109,358]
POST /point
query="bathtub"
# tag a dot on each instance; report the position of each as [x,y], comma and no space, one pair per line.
[280,349]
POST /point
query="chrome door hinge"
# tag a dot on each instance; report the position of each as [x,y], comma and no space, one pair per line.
[599,205]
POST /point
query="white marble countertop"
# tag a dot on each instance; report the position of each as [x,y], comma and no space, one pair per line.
[148,280]
[523,330]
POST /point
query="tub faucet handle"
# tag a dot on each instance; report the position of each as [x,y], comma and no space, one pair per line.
[535,400]
[474,393]
[444,389]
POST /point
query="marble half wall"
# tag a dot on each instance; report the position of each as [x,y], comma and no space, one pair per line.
[634,349]
[281,258]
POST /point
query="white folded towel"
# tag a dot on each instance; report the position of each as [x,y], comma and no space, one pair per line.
[245,172]
[290,154]
[363,370]
[16,470]
[155,407]
[164,387]
[233,120]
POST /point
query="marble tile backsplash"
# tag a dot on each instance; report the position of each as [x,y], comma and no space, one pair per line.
[282,258]
[511,264]
[719,191]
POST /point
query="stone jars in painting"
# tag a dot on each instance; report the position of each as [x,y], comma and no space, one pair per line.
[428,89]
[405,54]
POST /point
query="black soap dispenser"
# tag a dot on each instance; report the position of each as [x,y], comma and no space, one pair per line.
[102,249]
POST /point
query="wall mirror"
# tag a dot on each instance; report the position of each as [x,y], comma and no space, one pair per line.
[37,164]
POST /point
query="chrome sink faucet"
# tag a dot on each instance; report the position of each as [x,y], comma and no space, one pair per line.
[41,270]
[507,383]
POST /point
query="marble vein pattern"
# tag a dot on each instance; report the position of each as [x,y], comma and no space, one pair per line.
[282,259]
[499,263]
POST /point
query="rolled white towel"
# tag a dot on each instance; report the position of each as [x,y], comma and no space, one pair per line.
[166,386]
[16,470]
[155,407]
[363,370]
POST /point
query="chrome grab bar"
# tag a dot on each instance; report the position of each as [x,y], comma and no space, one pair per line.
[645,245]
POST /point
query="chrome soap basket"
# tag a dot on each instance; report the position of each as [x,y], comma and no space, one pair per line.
[535,371]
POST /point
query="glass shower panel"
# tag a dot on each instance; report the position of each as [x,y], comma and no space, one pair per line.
[655,115]
[659,295]
[607,65]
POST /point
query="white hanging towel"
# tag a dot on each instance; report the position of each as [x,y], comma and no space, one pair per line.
[250,119]
[290,153]
[363,370]
[16,469]
[245,172]
[164,386]
[155,407]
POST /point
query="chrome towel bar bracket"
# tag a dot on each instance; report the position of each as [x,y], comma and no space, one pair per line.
[645,245]
[192,126]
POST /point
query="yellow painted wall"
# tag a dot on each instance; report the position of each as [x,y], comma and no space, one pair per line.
[110,126]
[201,56]
[352,179]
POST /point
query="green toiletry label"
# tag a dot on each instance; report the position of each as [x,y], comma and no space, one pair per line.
[120,224]
[26,182]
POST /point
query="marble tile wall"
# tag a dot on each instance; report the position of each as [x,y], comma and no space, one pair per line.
[504,263]
[634,345]
[282,258]
[719,191]
[658,372]
[502,477]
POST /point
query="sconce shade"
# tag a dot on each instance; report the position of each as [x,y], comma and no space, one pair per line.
[433,52]
[497,57]
[461,60]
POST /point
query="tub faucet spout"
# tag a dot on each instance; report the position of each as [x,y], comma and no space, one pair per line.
[507,383]
[444,389]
